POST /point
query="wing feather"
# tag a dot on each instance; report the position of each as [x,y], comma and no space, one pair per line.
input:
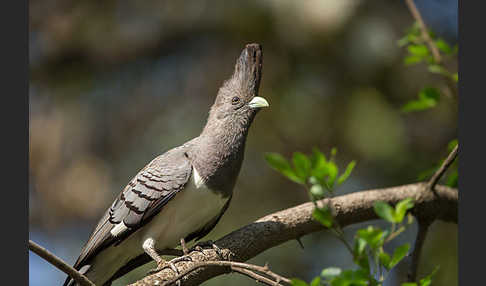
[145,195]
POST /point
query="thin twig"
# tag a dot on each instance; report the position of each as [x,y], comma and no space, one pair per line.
[443,168]
[423,227]
[423,28]
[432,46]
[257,277]
[231,264]
[60,264]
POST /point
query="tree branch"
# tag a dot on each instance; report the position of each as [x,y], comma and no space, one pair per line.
[423,29]
[243,268]
[426,37]
[443,168]
[423,227]
[60,264]
[277,228]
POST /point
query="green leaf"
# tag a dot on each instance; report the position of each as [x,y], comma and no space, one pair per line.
[401,209]
[316,281]
[443,46]
[298,282]
[384,210]
[351,278]
[372,235]
[410,60]
[279,163]
[319,164]
[427,98]
[438,69]
[317,191]
[330,272]
[346,173]
[302,165]
[332,171]
[359,247]
[428,279]
[429,93]
[409,284]
[318,159]
[399,253]
[323,215]
[363,262]
[384,259]
[418,50]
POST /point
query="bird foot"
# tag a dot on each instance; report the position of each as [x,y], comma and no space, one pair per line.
[161,265]
[208,244]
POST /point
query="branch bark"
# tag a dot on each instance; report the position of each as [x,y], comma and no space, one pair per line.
[277,228]
[60,264]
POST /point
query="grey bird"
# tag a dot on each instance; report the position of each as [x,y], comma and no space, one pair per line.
[182,193]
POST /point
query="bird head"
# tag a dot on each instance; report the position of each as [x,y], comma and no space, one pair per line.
[238,98]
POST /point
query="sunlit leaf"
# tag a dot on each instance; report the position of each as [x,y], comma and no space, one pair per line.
[384,259]
[399,253]
[384,210]
[332,171]
[410,60]
[418,50]
[373,236]
[279,163]
[344,176]
[330,272]
[401,209]
[427,98]
[428,279]
[316,281]
[302,165]
[359,246]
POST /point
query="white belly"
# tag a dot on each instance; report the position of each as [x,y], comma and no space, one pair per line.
[189,211]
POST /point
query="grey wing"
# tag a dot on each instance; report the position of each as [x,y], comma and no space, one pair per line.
[141,199]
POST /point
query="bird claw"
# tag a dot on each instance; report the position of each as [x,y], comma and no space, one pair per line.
[199,247]
[170,264]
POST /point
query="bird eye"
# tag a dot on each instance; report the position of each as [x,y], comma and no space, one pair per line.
[235,100]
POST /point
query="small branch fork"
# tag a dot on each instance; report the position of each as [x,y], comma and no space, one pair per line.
[423,224]
[443,168]
[60,264]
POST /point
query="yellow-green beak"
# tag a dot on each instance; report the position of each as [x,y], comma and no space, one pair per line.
[258,102]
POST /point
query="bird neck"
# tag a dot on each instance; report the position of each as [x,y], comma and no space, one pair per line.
[218,154]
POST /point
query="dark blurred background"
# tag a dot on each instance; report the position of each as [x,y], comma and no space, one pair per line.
[115,83]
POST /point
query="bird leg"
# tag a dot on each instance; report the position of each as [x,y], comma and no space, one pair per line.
[200,245]
[149,248]
[184,247]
